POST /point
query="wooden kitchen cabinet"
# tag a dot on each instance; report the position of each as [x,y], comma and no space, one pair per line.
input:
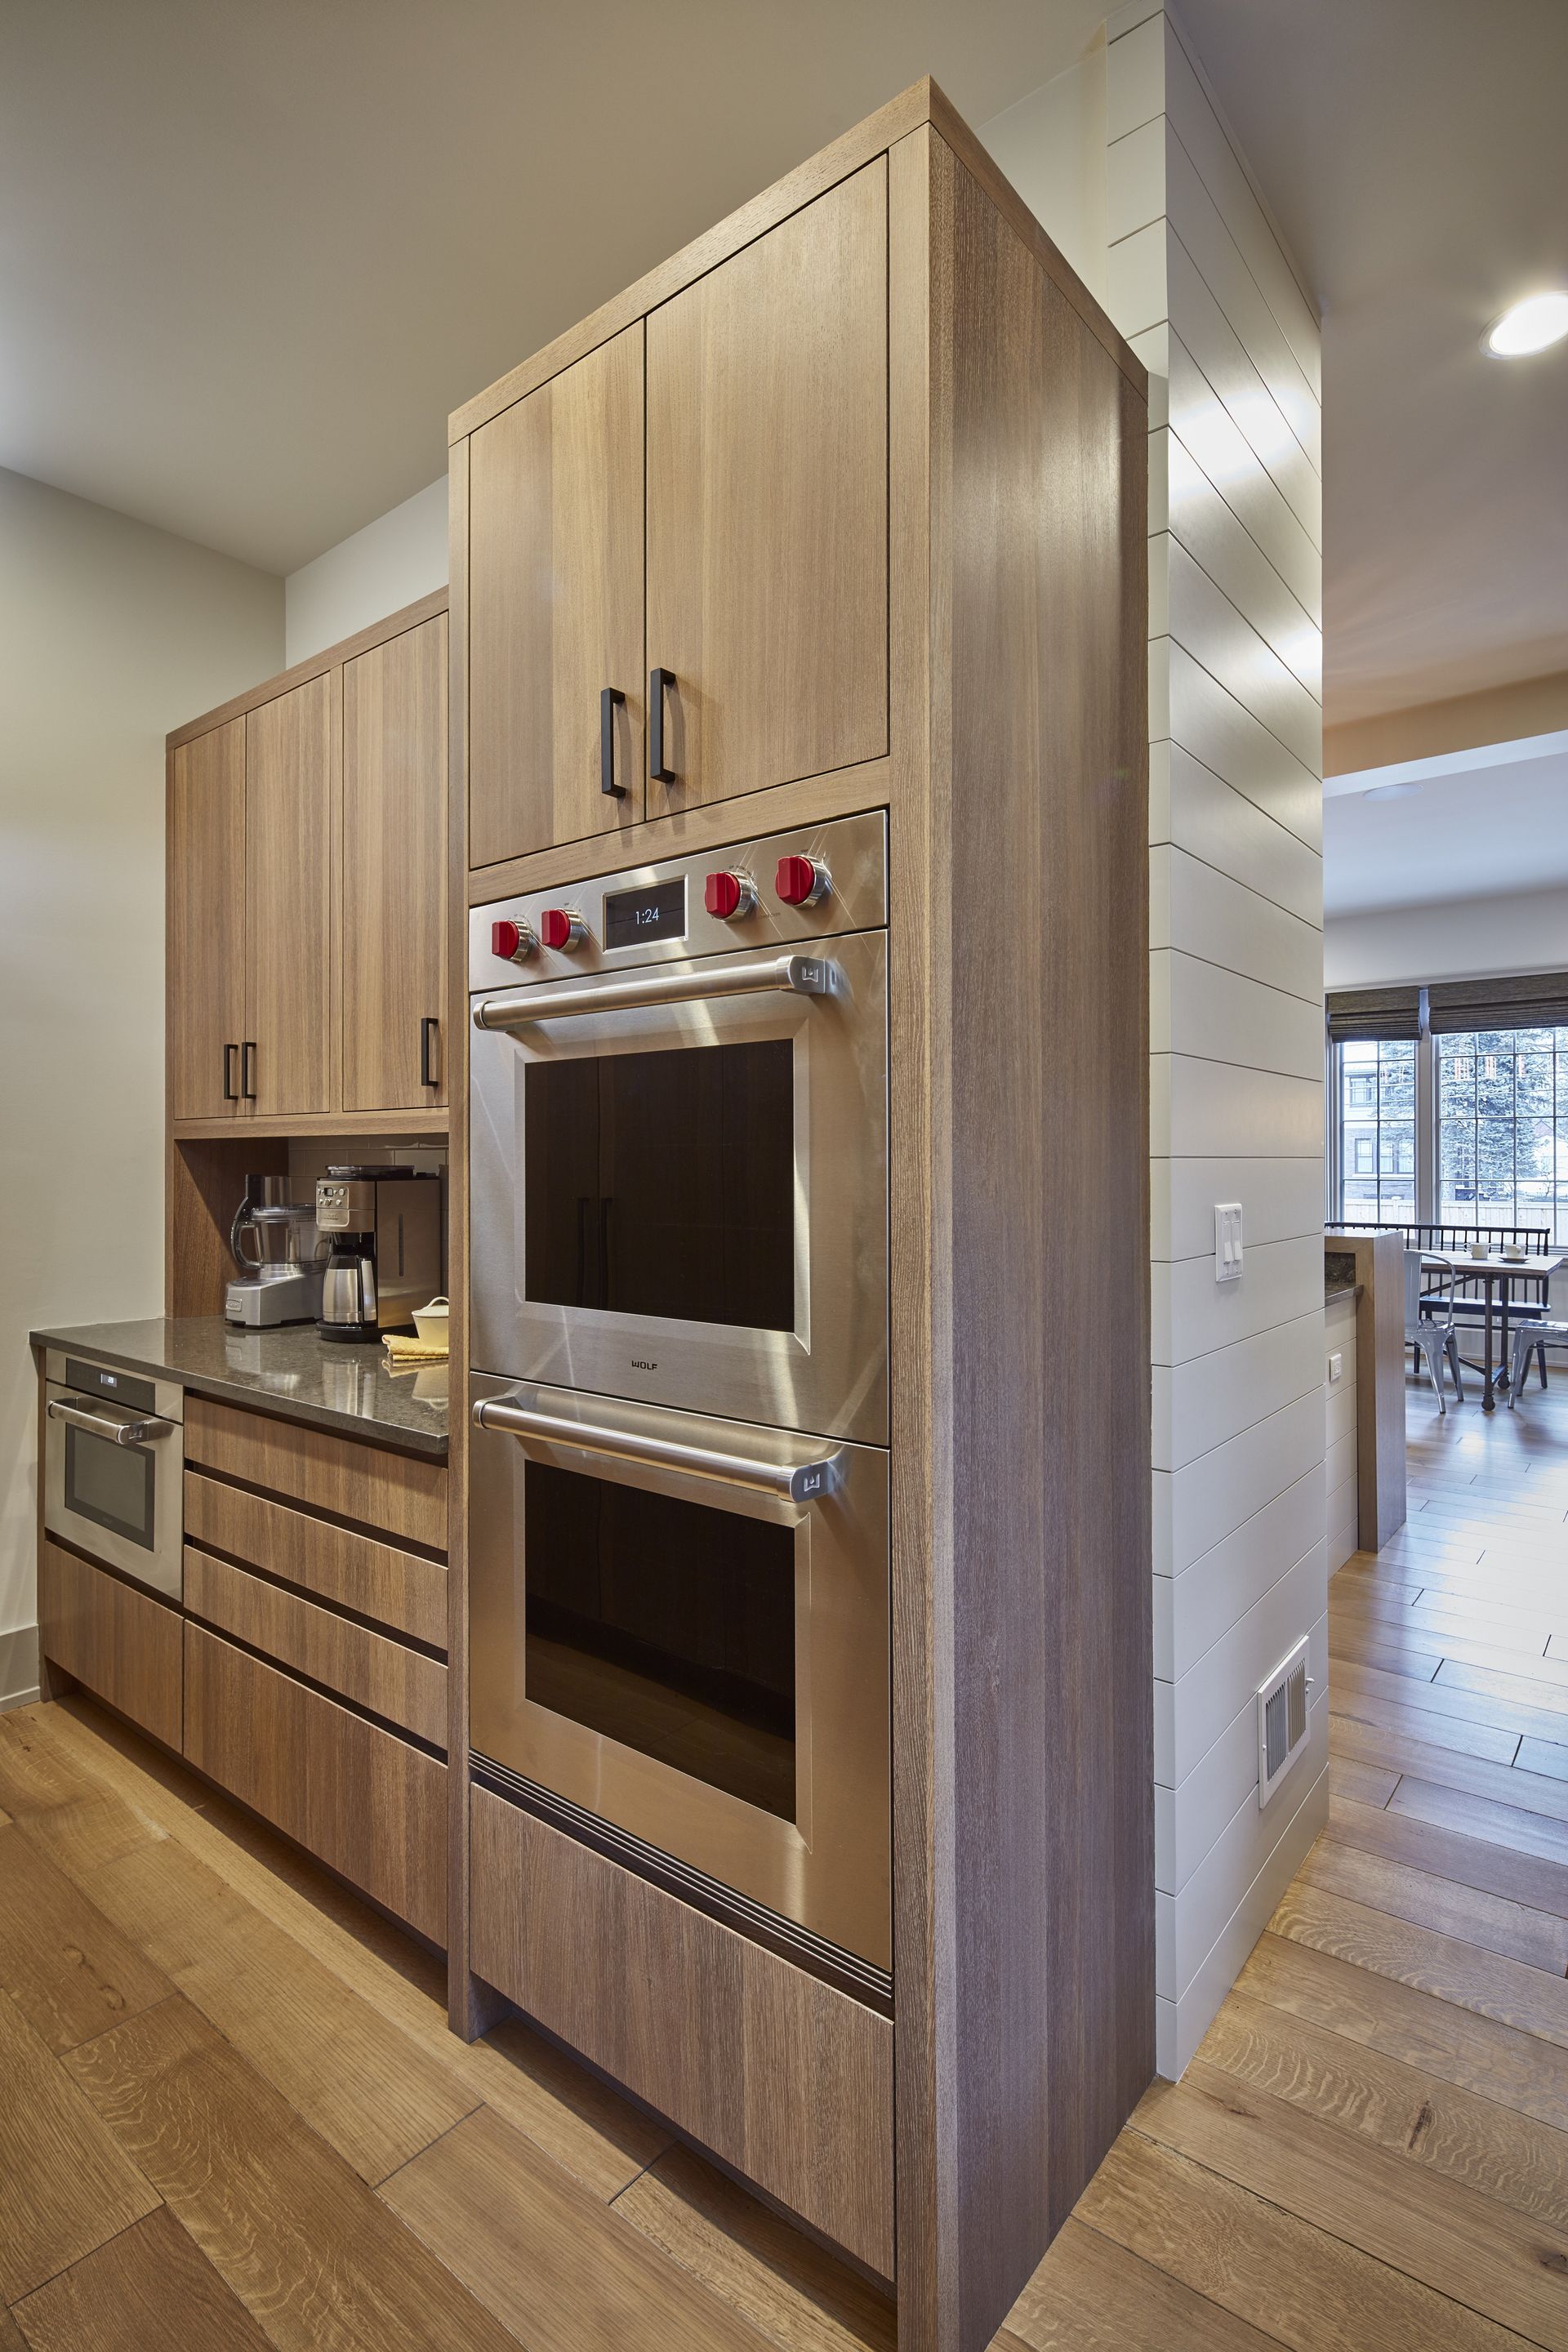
[897,538]
[307,894]
[767,503]
[394,872]
[556,609]
[206,923]
[762,393]
[291,1058]
[123,1642]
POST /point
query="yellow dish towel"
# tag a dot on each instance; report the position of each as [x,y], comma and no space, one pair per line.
[407,1347]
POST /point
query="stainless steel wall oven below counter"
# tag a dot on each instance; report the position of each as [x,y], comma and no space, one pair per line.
[114,1460]
[678,1138]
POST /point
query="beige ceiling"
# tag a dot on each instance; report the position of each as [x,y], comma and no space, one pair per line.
[1414,154]
[254,250]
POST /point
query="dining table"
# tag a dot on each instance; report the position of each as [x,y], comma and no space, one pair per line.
[1495,1271]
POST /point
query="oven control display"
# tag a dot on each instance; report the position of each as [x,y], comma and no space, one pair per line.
[656,912]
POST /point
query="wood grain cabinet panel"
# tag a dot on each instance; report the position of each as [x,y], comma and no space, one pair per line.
[206,923]
[291,903]
[395,864]
[365,1802]
[399,1589]
[402,1494]
[555,607]
[401,1685]
[777,2073]
[767,503]
[120,1643]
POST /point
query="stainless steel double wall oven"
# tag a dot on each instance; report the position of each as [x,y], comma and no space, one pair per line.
[679,1515]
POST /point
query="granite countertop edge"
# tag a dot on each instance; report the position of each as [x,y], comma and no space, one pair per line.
[395,1417]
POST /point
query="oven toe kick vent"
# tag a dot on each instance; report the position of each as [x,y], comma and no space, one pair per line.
[845,1971]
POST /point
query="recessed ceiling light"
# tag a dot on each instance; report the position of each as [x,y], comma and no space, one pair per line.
[1528,326]
[1390,792]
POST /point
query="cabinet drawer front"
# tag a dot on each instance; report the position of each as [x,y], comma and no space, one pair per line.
[783,2077]
[122,1643]
[397,1492]
[401,1685]
[399,1589]
[364,1801]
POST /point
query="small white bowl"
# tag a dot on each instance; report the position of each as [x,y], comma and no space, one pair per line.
[430,1322]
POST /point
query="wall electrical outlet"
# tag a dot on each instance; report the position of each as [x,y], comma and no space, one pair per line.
[1227,1240]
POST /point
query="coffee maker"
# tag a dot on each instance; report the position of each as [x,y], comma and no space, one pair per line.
[385,1227]
[274,1243]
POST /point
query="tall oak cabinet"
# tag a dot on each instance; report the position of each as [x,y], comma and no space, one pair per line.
[844,510]
[307,903]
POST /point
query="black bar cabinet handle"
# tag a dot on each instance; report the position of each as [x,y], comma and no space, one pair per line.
[248,1070]
[659,682]
[611,700]
[230,1091]
[428,1028]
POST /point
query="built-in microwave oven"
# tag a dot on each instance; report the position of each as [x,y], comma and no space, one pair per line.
[677,1142]
[114,1468]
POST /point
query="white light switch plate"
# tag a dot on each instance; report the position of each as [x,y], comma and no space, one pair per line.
[1336,1368]
[1227,1240]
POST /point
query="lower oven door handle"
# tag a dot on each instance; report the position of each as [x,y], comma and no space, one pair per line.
[797,974]
[118,1432]
[792,1482]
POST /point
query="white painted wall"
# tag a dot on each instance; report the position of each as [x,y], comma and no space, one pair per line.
[114,633]
[1461,938]
[1197,279]
[393,561]
[1051,145]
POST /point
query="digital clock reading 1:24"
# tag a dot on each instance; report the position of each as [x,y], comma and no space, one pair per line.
[656,912]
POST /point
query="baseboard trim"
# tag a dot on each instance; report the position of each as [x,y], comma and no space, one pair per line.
[18,1667]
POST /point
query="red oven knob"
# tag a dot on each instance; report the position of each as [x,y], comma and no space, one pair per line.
[801,881]
[729,895]
[562,926]
[513,943]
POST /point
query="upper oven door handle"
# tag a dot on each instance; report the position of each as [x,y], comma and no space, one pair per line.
[791,1482]
[801,975]
[135,1429]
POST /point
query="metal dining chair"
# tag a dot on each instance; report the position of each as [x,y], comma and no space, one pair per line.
[1527,1339]
[1435,1341]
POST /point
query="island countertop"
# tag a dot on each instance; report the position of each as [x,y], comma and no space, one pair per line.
[291,1371]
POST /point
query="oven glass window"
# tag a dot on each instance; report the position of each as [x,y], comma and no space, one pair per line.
[113,1485]
[664,1183]
[665,1625]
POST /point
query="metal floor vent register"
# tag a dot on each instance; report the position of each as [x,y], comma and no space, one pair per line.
[1281,1720]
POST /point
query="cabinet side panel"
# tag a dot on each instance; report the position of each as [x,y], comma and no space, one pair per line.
[1052,1754]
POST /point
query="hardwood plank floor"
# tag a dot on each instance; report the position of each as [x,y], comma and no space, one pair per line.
[227,2087]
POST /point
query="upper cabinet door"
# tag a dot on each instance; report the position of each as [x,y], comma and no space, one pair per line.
[767,504]
[555,609]
[292,1026]
[206,923]
[394,869]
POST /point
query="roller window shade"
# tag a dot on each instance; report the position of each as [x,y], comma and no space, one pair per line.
[1528,1000]
[1357,1014]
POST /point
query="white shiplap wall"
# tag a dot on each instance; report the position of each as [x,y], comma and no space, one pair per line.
[1198,280]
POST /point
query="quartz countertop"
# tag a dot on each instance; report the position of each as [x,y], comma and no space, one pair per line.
[290,1371]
